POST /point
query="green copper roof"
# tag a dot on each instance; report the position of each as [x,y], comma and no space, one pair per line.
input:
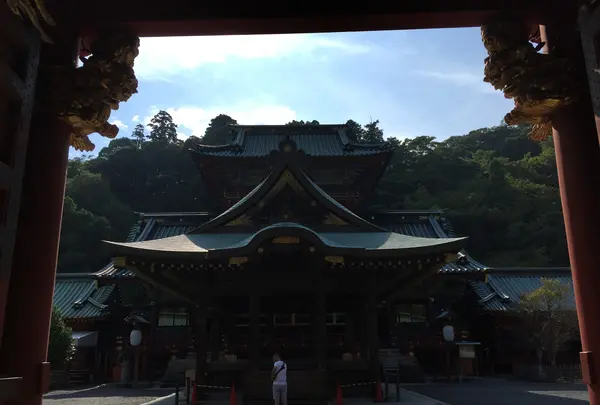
[78,296]
[504,288]
[424,224]
[191,244]
[314,140]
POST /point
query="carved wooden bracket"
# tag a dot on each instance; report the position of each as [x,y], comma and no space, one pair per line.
[32,10]
[538,83]
[87,95]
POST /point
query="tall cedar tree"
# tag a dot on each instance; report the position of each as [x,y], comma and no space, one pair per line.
[162,128]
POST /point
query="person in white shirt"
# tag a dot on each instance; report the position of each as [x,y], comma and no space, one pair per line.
[279,377]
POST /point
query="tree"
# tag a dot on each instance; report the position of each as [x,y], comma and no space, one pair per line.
[61,347]
[549,320]
[139,135]
[373,134]
[355,131]
[162,128]
[219,131]
[295,122]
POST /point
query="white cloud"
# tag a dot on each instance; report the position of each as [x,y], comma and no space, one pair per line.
[160,57]
[461,79]
[120,124]
[136,118]
[196,119]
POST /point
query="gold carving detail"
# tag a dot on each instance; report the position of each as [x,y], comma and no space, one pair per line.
[243,219]
[32,10]
[332,219]
[238,260]
[87,95]
[538,83]
[334,259]
[286,240]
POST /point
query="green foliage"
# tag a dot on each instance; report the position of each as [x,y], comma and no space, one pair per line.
[219,131]
[497,187]
[295,122]
[61,347]
[549,322]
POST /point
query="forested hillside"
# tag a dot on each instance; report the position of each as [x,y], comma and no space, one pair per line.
[496,185]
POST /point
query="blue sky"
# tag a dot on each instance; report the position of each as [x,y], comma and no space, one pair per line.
[414,82]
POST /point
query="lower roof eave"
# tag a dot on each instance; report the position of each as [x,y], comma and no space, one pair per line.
[183,248]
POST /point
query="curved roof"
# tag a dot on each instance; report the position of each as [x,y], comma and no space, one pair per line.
[226,244]
[255,141]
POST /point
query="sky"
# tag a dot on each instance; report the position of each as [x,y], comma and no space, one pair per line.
[417,82]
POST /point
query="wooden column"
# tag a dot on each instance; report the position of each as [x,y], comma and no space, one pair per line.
[254,318]
[350,331]
[29,302]
[321,328]
[215,337]
[200,334]
[578,162]
[154,314]
[373,331]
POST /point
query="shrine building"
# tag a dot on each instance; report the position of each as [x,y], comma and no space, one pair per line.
[290,256]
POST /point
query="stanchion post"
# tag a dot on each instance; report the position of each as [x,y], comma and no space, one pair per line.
[398,383]
[188,389]
[386,386]
[176,394]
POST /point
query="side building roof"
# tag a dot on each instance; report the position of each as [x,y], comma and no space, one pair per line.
[503,288]
[258,141]
[79,297]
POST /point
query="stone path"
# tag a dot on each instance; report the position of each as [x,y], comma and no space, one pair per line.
[500,392]
[104,396]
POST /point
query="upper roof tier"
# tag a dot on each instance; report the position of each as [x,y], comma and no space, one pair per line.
[256,141]
[348,171]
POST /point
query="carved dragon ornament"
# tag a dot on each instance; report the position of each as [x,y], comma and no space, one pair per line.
[86,95]
[539,83]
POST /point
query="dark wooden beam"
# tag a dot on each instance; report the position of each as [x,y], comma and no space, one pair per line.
[190,17]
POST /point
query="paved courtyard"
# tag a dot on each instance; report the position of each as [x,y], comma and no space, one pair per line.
[104,396]
[500,392]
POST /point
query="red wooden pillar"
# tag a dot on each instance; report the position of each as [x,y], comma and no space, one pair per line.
[578,161]
[29,302]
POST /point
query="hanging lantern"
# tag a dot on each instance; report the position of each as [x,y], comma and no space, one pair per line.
[135,337]
[448,333]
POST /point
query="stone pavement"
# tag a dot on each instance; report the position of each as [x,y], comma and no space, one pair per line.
[407,397]
[104,396]
[503,392]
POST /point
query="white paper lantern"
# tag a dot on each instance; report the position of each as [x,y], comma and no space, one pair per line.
[448,333]
[135,338]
